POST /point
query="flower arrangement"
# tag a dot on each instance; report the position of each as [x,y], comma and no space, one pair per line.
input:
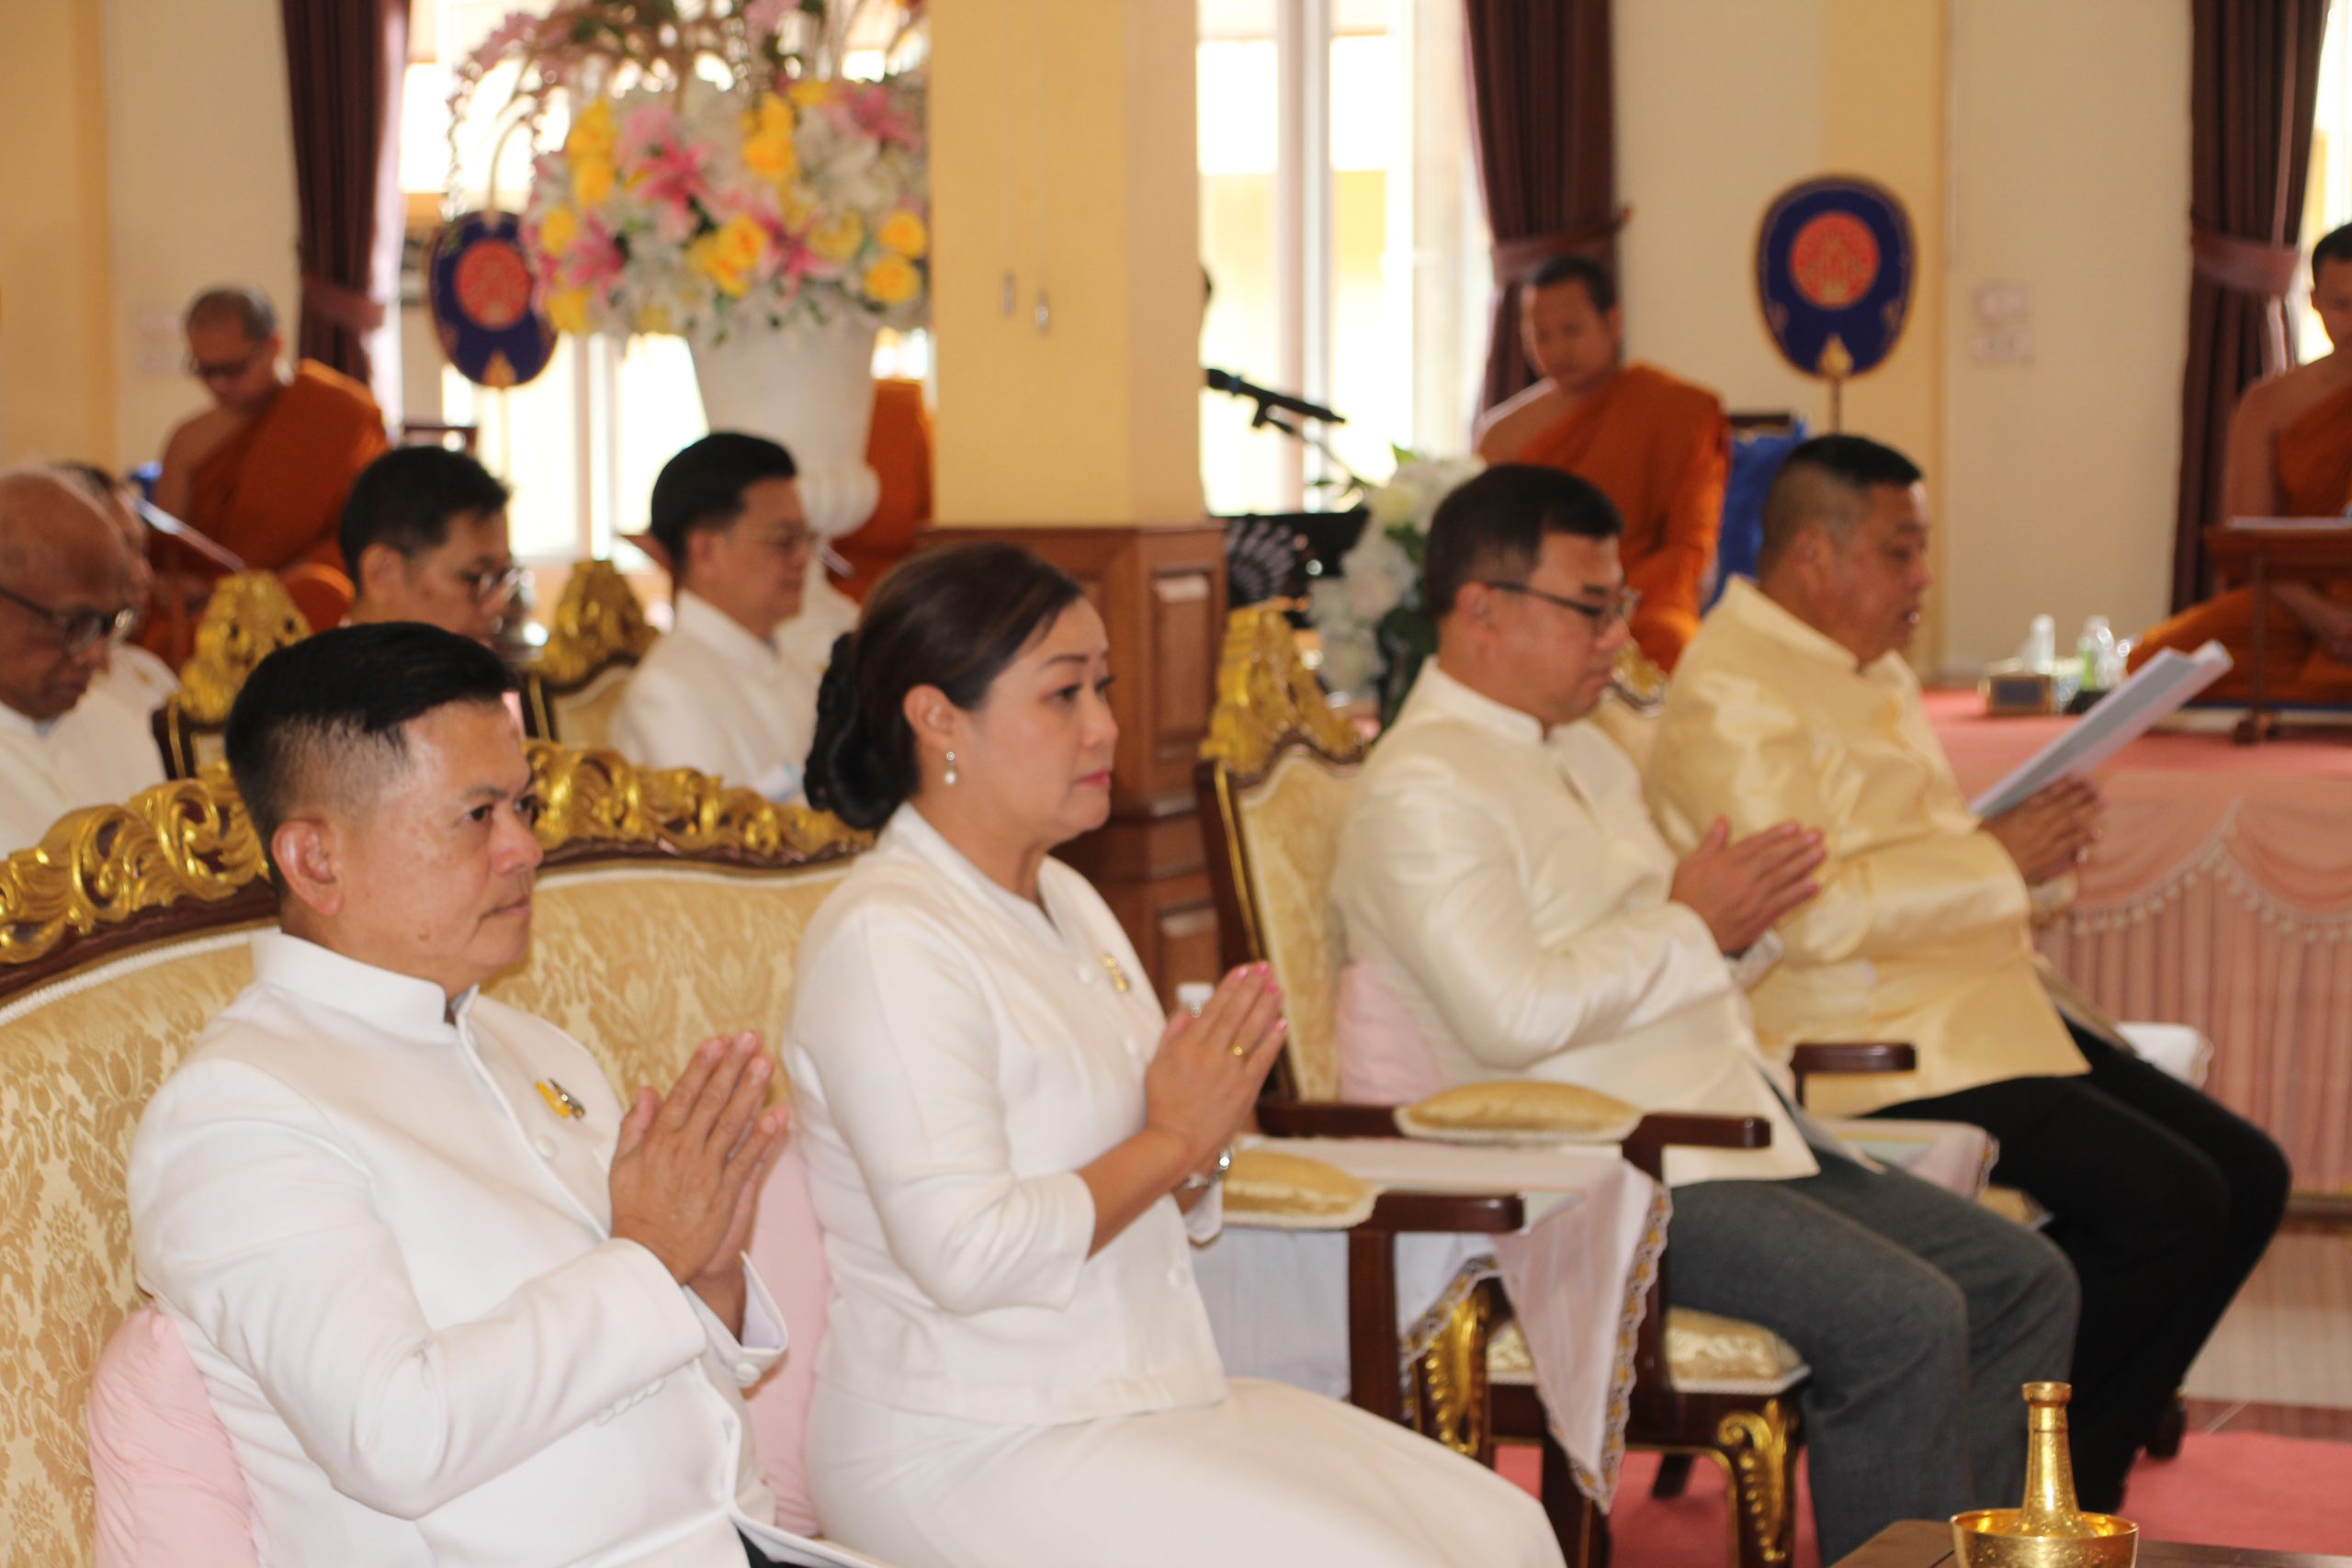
[1374,628]
[719,173]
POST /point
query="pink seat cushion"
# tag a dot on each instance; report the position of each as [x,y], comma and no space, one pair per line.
[1382,1058]
[168,1487]
[789,1252]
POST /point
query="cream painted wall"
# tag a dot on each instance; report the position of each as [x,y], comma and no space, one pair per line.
[201,188]
[2035,144]
[1063,158]
[2070,178]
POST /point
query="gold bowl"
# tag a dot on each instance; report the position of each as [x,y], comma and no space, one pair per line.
[1997,1538]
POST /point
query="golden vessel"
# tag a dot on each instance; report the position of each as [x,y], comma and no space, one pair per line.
[2050,1530]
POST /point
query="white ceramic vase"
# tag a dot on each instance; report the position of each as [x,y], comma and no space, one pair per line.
[812,388]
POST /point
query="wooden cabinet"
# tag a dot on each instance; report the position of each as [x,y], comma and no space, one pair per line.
[1161,587]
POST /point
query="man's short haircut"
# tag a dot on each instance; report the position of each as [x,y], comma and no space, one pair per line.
[1828,480]
[2335,245]
[703,487]
[329,713]
[1599,287]
[247,308]
[407,497]
[1491,528]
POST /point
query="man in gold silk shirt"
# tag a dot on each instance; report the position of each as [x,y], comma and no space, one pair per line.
[1795,702]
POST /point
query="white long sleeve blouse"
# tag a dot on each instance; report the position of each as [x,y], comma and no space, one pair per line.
[957,1053]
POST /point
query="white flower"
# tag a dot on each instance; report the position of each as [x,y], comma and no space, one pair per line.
[1377,572]
[1351,662]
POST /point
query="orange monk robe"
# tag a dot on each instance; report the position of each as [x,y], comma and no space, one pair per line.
[2312,460]
[898,449]
[1661,448]
[273,493]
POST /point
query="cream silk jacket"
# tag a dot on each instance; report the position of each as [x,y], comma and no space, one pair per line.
[713,697]
[1510,890]
[389,1257]
[1921,930]
[101,752]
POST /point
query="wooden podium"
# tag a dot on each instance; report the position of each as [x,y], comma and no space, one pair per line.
[1160,588]
[2258,556]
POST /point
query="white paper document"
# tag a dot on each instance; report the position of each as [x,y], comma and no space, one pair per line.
[2121,717]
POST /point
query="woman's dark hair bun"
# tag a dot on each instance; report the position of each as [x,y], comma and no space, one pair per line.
[952,617]
[848,774]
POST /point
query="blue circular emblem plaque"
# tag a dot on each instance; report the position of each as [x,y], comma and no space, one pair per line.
[479,286]
[1833,266]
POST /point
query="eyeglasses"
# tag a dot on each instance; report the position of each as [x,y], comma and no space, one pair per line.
[1616,611]
[791,541]
[490,584]
[79,630]
[226,371]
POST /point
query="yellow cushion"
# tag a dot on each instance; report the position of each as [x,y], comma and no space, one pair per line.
[585,718]
[1266,1188]
[1519,1110]
[1290,827]
[1707,1354]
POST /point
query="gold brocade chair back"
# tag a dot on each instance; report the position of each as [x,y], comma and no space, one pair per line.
[669,910]
[1274,780]
[572,691]
[250,616]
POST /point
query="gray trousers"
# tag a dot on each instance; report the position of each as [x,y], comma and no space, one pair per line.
[1920,1313]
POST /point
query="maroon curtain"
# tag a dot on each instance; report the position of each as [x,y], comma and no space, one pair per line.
[1545,123]
[2253,83]
[343,63]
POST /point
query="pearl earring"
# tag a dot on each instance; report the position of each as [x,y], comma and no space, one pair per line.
[949,778]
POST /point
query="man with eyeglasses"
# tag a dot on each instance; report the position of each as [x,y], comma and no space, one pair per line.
[722,693]
[65,598]
[424,538]
[1794,701]
[264,471]
[1504,897]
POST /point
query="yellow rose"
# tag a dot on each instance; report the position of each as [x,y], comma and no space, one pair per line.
[706,258]
[592,180]
[892,281]
[593,134]
[809,93]
[741,243]
[798,208]
[772,116]
[557,230]
[904,233]
[655,319]
[771,156]
[838,238]
[568,309]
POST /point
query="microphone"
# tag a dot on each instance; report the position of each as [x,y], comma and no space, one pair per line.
[1266,397]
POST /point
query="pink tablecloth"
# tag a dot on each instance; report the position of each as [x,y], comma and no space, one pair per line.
[2219,896]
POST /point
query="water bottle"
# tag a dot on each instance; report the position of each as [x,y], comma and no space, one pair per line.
[2096,651]
[2041,651]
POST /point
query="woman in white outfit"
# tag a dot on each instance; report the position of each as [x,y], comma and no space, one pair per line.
[1009,1148]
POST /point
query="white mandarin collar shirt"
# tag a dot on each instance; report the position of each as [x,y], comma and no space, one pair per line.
[388,1250]
[101,752]
[713,697]
[957,1055]
[1509,886]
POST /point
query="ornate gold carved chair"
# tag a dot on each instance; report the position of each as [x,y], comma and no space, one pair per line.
[250,616]
[573,689]
[1273,780]
[124,931]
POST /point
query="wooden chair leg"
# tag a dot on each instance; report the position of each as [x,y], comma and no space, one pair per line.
[1673,1475]
[1761,1445]
[1581,1530]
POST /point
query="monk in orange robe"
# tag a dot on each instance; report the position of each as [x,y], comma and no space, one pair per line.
[265,469]
[2289,454]
[1660,448]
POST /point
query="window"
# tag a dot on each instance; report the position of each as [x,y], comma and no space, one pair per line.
[1346,258]
[2328,202]
[581,444]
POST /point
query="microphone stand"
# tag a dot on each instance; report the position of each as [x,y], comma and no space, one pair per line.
[1291,419]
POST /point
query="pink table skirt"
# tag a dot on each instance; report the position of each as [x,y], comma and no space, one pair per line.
[2219,896]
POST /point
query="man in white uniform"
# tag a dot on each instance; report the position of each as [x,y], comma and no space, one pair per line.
[720,692]
[453,1301]
[67,739]
[1500,871]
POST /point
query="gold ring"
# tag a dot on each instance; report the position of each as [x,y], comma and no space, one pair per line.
[1239,1050]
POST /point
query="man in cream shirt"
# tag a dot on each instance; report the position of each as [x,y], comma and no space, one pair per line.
[68,737]
[454,1301]
[1794,703]
[1499,872]
[722,693]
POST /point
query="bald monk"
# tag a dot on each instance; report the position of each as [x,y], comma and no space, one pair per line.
[1658,447]
[265,469]
[2289,454]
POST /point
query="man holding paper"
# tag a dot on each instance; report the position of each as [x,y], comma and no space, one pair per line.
[1794,703]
